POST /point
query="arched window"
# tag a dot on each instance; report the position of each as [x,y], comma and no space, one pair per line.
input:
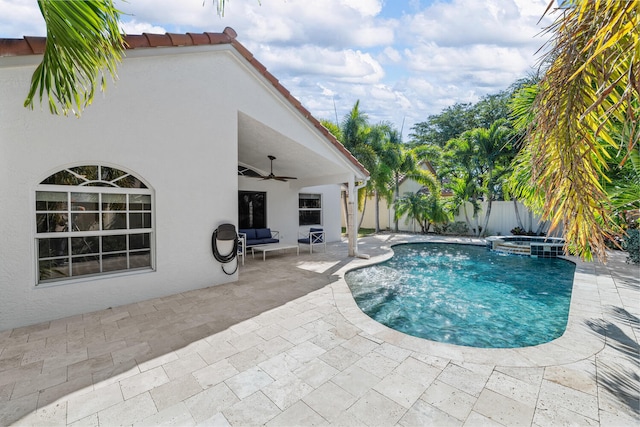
[93,220]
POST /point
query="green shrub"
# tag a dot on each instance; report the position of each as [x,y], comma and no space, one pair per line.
[631,244]
[458,228]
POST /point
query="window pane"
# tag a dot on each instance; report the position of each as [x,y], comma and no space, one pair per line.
[109,174]
[252,209]
[85,222]
[48,248]
[139,220]
[84,201]
[51,222]
[140,259]
[84,215]
[53,269]
[114,221]
[114,202]
[51,201]
[310,217]
[88,173]
[82,266]
[140,241]
[309,201]
[129,181]
[139,202]
[84,245]
[114,262]
[64,177]
[114,243]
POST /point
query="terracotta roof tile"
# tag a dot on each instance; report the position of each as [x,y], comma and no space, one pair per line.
[180,39]
[136,41]
[14,47]
[158,40]
[199,38]
[36,45]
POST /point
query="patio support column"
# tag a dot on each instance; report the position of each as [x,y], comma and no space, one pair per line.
[352,233]
[352,214]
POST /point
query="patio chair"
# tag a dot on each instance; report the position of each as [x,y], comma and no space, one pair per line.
[314,237]
[242,245]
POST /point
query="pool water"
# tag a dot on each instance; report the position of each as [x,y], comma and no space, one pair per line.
[467,295]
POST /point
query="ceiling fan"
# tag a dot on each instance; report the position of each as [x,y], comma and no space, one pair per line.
[272,176]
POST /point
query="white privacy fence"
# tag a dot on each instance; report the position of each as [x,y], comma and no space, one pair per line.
[501,220]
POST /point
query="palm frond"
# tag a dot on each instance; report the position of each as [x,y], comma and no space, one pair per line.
[83,42]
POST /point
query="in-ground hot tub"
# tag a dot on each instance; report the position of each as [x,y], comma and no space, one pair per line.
[534,246]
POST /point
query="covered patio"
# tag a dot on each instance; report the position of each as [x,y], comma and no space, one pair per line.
[286,345]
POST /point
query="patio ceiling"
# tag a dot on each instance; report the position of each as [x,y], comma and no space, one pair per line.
[256,141]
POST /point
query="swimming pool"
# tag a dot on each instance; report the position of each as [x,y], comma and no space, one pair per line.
[466,295]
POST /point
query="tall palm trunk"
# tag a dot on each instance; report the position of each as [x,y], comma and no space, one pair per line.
[396,197]
[489,201]
[486,217]
[475,218]
[518,219]
[466,215]
[364,208]
[377,211]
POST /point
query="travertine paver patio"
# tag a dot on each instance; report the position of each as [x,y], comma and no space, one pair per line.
[286,345]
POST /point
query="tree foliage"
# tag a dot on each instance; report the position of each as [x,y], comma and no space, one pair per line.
[83,39]
[585,107]
[424,207]
[453,121]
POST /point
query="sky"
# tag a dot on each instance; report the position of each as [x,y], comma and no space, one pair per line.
[402,59]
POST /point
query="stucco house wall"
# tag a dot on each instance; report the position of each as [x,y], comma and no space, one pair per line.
[172,120]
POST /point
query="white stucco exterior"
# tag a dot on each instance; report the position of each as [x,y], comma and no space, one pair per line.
[172,119]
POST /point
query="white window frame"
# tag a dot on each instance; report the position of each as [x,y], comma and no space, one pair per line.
[100,188]
[301,209]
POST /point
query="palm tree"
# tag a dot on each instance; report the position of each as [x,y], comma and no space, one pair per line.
[494,152]
[588,93]
[382,134]
[354,133]
[83,40]
[464,188]
[402,163]
[466,173]
[413,205]
[425,207]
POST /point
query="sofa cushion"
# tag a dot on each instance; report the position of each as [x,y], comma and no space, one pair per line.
[250,232]
[264,241]
[263,233]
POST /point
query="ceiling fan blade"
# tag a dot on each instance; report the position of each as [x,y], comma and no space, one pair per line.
[272,176]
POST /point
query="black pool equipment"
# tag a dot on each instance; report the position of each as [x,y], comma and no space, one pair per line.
[224,244]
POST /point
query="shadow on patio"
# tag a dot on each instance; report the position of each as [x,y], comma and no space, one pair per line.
[43,363]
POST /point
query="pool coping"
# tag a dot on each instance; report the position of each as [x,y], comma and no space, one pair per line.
[578,342]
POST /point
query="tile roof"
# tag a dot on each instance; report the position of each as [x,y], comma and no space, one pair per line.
[35,46]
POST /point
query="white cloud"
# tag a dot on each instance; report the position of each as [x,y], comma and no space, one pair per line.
[135,27]
[20,18]
[391,55]
[369,8]
[342,65]
[461,22]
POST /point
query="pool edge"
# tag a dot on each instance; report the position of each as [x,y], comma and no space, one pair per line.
[578,342]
